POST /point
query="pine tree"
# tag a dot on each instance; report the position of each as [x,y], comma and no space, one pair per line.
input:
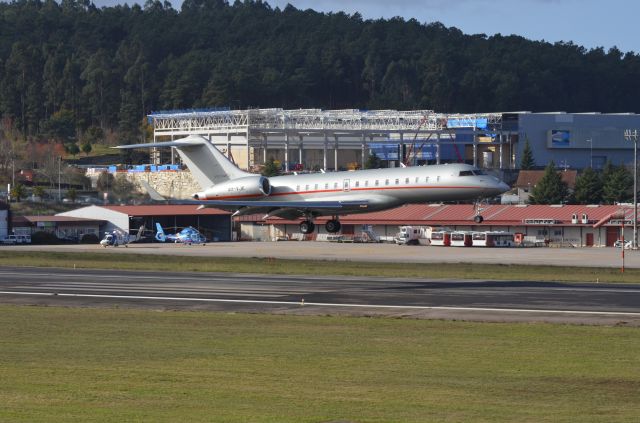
[588,187]
[618,186]
[527,162]
[551,189]
[271,168]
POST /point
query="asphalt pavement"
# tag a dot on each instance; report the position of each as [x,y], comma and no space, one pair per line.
[585,303]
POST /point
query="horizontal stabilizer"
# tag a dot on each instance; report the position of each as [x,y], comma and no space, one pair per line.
[155,195]
[184,142]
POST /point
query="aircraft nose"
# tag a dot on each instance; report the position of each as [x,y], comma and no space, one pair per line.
[502,187]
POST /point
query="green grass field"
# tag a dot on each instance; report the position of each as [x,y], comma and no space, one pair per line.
[79,365]
[316,267]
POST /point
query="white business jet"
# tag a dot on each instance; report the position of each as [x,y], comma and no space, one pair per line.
[226,187]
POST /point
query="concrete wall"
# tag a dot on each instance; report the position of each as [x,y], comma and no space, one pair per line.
[180,184]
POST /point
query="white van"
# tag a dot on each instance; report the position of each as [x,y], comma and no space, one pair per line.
[16,239]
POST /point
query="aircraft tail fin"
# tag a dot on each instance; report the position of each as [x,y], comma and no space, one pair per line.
[207,164]
[160,235]
[139,234]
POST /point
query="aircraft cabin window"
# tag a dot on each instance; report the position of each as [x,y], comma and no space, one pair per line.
[335,185]
[316,187]
[306,188]
[357,184]
[397,181]
[366,183]
[418,179]
[438,178]
[406,181]
[377,182]
[386,182]
[427,179]
[297,187]
[326,186]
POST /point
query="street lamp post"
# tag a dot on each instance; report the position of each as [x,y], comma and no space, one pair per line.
[632,135]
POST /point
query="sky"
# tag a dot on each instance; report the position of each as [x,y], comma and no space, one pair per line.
[589,23]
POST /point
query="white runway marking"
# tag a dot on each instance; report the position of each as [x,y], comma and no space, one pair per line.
[406,307]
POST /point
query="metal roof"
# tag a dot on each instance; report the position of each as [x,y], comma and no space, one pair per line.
[462,214]
[62,219]
[166,210]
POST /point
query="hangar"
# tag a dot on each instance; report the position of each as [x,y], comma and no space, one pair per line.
[313,139]
[561,225]
[213,223]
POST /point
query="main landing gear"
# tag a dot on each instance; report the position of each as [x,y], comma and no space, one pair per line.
[332,226]
[307,227]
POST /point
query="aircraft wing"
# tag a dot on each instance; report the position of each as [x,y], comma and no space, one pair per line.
[290,209]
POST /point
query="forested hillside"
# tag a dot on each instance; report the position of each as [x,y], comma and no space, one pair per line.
[68,67]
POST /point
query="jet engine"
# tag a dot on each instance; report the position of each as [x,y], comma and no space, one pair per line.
[247,187]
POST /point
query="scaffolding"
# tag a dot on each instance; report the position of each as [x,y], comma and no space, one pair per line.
[255,129]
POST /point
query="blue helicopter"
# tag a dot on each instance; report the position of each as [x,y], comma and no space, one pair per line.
[189,235]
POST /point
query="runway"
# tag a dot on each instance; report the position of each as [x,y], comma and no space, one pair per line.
[418,298]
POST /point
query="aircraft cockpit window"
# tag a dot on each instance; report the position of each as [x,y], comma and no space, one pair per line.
[466,173]
[479,172]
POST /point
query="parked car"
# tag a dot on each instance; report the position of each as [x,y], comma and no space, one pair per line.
[627,244]
[16,239]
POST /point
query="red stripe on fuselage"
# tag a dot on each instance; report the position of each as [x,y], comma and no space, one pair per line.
[231,197]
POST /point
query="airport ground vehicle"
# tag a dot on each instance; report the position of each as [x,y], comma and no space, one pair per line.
[461,239]
[441,238]
[413,235]
[493,239]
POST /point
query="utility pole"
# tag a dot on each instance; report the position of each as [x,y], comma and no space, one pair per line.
[632,135]
[59,172]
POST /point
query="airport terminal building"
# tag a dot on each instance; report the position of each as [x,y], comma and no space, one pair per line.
[314,139]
